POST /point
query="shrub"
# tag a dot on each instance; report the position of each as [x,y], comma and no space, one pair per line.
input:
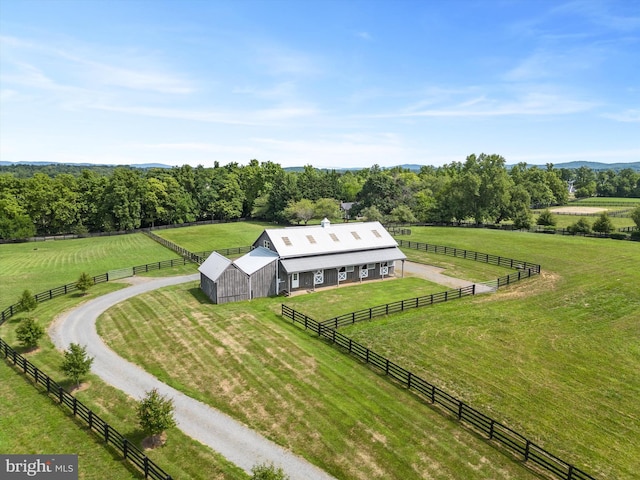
[29,333]
[27,301]
[546,218]
[581,226]
[619,236]
[635,236]
[85,282]
[603,224]
[267,471]
[635,216]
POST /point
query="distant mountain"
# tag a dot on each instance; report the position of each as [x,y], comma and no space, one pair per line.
[597,165]
[138,165]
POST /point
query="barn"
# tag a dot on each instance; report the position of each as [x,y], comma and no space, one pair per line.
[303,258]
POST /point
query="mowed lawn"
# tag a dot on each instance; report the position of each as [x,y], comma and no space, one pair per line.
[555,357]
[37,427]
[204,238]
[39,266]
[246,360]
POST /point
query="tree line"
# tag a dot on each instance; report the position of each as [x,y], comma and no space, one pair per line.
[71,199]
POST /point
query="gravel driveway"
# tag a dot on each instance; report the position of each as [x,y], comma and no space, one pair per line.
[435,275]
[233,440]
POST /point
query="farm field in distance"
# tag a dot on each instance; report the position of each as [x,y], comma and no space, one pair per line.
[39,266]
[585,332]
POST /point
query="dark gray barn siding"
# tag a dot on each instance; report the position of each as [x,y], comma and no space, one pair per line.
[263,282]
[209,288]
[233,285]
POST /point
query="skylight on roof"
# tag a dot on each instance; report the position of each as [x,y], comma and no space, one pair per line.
[286,241]
[311,239]
[334,237]
[376,233]
[355,235]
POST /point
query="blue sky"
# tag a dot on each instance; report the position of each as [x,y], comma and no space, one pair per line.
[331,83]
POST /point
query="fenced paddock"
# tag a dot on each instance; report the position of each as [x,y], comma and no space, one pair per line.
[517,444]
[94,422]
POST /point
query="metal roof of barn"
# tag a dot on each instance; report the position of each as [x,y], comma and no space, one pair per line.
[214,265]
[255,260]
[325,239]
[336,260]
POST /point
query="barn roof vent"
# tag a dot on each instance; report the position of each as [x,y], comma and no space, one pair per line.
[325,223]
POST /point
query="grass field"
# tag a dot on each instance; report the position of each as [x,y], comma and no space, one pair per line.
[205,238]
[244,359]
[42,432]
[39,266]
[555,357]
[561,352]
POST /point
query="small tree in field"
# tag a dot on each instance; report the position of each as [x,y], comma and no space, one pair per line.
[155,414]
[85,282]
[603,224]
[76,363]
[581,226]
[29,333]
[546,218]
[267,471]
[27,301]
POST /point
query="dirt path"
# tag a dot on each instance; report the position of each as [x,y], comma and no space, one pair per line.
[233,440]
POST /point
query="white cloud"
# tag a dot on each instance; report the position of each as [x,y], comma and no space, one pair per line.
[631,115]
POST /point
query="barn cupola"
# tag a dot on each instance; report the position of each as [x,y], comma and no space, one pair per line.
[325,223]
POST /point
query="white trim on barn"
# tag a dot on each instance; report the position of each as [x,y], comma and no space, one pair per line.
[301,258]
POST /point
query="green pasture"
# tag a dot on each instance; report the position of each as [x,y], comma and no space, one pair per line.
[554,357]
[563,221]
[246,360]
[182,457]
[594,201]
[330,303]
[39,266]
[204,238]
[39,427]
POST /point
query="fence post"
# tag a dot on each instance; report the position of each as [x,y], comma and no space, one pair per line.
[460,406]
[491,429]
[125,445]
[473,289]
[526,451]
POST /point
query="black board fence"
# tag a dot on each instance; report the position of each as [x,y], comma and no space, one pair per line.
[96,424]
[472,255]
[495,431]
[105,277]
[183,252]
[395,307]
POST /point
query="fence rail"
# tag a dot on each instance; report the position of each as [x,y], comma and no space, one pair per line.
[471,255]
[96,424]
[395,307]
[494,431]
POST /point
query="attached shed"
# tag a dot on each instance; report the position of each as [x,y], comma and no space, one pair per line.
[253,275]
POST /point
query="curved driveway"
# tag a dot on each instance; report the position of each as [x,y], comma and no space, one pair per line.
[233,440]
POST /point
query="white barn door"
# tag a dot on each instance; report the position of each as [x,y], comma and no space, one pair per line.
[318,277]
[295,280]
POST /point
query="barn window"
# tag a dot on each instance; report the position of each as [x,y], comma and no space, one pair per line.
[371,266]
[350,268]
[355,235]
[266,244]
[334,237]
[376,233]
[286,241]
[311,239]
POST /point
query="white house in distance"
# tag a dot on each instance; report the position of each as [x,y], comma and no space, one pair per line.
[302,258]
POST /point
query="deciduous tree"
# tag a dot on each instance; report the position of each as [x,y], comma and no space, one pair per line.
[29,333]
[76,362]
[155,415]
